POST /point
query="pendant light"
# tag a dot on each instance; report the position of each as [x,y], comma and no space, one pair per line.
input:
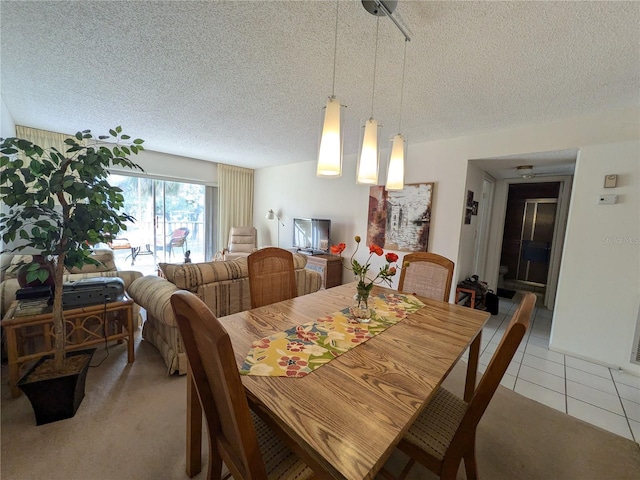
[395,171]
[367,172]
[330,147]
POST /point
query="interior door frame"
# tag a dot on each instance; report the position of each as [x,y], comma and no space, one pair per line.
[497,230]
[484,222]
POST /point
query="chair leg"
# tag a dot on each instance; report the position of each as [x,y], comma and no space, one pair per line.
[406,469]
[470,465]
[214,471]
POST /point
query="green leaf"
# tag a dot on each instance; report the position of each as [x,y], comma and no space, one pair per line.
[119,129]
[79,135]
[113,133]
[138,141]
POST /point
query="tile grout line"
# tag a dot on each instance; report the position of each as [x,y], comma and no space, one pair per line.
[565,367]
[623,408]
[566,387]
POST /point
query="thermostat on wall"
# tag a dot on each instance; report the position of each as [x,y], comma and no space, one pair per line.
[608,199]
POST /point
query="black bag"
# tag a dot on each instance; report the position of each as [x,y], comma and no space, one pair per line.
[491,302]
[472,283]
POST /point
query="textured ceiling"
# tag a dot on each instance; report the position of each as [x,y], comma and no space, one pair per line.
[244,82]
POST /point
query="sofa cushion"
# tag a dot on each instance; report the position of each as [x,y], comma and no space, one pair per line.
[106,259]
[189,276]
[299,260]
[15,262]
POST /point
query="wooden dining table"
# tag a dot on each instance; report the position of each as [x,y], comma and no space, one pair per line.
[349,414]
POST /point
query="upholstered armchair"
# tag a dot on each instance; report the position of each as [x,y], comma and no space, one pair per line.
[242,242]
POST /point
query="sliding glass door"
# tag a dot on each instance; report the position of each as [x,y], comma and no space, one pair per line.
[169,222]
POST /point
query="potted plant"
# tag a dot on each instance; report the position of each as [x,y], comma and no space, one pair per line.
[60,204]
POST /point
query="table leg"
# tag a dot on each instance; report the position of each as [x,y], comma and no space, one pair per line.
[12,360]
[472,367]
[194,428]
[130,351]
[134,254]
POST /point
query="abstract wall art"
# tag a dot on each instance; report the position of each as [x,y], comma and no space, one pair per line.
[399,219]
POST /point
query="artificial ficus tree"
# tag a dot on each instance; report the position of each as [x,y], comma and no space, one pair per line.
[61,204]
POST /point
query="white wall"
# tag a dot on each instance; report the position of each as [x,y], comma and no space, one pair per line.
[294,190]
[7,125]
[597,307]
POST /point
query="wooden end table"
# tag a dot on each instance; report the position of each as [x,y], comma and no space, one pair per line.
[25,323]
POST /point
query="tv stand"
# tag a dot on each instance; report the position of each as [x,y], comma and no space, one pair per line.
[311,252]
[329,266]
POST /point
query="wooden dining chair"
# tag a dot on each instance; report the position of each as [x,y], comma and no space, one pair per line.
[272,276]
[428,275]
[237,436]
[445,431]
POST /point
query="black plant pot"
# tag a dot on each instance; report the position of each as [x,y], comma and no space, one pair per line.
[56,398]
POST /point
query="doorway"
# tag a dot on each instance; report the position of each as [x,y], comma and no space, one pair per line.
[528,234]
[169,221]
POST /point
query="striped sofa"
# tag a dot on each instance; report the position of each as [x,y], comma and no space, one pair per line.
[222,285]
[107,268]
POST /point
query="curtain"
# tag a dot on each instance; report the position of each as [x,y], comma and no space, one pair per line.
[43,138]
[211,229]
[235,200]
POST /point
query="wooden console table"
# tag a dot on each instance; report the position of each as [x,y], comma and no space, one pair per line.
[85,327]
[329,266]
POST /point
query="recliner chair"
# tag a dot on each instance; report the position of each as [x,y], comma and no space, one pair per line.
[242,242]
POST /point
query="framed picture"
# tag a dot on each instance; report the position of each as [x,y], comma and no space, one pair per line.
[469,199]
[399,219]
[474,209]
[467,216]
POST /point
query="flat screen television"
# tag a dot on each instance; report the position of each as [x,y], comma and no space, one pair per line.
[311,235]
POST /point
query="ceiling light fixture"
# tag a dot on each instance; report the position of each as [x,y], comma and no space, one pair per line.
[525,171]
[330,148]
[395,171]
[368,160]
[379,8]
[270,216]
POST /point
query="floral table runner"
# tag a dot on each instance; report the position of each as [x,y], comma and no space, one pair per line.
[299,350]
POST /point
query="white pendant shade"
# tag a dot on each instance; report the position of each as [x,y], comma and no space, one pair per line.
[368,161]
[330,151]
[395,173]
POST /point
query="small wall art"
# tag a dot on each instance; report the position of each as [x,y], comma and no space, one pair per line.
[467,216]
[474,209]
[469,208]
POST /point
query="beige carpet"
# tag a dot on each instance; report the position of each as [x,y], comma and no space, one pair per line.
[131,425]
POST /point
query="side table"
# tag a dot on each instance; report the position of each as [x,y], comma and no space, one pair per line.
[329,266]
[86,326]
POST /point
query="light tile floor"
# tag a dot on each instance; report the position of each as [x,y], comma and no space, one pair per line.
[604,397]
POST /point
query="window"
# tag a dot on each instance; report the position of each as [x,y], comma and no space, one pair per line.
[170,219]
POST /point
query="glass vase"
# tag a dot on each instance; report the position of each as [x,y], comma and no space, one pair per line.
[361,310]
